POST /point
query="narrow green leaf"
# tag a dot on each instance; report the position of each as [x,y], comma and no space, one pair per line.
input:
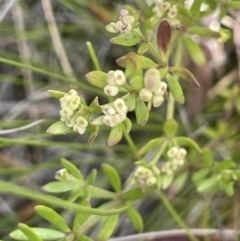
[115,135]
[97,78]
[213,4]
[127,124]
[135,218]
[234,4]
[58,187]
[195,51]
[52,217]
[84,238]
[185,74]
[203,32]
[120,40]
[175,88]
[93,133]
[208,184]
[141,111]
[195,9]
[188,142]
[91,177]
[108,227]
[56,94]
[113,177]
[229,189]
[72,169]
[185,12]
[58,128]
[81,217]
[43,233]
[207,157]
[199,175]
[147,63]
[152,144]
[144,47]
[94,107]
[28,232]
[137,84]
[133,194]
[166,181]
[93,55]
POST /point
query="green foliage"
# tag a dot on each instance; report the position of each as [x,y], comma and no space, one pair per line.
[165,156]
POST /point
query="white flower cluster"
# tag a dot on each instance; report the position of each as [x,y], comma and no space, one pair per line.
[114,114]
[154,89]
[71,105]
[124,25]
[171,11]
[176,156]
[114,81]
[145,176]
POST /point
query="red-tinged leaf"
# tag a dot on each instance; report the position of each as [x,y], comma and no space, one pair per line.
[164,35]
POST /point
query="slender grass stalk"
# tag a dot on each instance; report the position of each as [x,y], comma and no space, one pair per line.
[176,217]
[11,188]
[93,56]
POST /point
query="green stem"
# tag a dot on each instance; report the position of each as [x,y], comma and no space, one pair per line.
[34,195]
[170,107]
[53,75]
[130,142]
[155,53]
[175,215]
[93,56]
[159,154]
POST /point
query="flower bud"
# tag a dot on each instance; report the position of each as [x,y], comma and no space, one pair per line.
[145,95]
[111,90]
[157,100]
[164,6]
[111,78]
[108,121]
[124,12]
[120,106]
[128,19]
[152,79]
[108,110]
[120,78]
[118,118]
[70,122]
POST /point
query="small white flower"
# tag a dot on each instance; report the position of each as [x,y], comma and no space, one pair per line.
[172,152]
[74,102]
[119,25]
[79,129]
[145,94]
[164,6]
[172,13]
[66,112]
[108,121]
[70,94]
[111,78]
[108,110]
[81,122]
[70,122]
[139,171]
[157,100]
[120,78]
[175,23]
[111,90]
[120,106]
[151,181]
[181,153]
[61,173]
[158,13]
[118,118]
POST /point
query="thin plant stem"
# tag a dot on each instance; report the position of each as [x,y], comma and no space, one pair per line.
[159,154]
[170,107]
[93,56]
[176,217]
[7,187]
[130,142]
